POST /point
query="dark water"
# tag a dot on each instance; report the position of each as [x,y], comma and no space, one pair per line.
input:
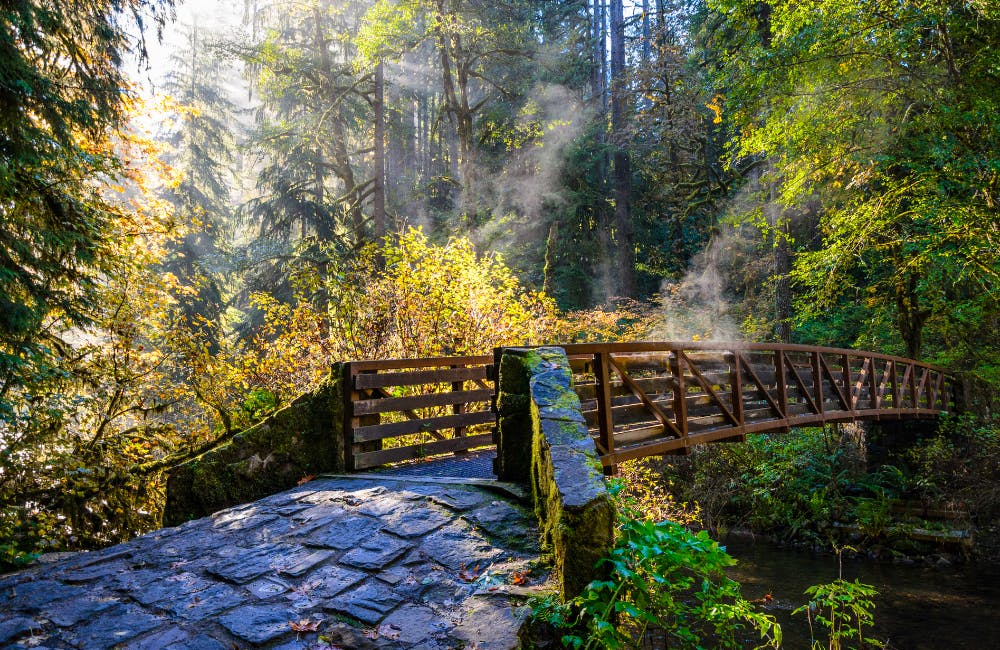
[918,608]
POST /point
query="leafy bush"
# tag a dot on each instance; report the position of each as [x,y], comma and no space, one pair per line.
[960,465]
[665,576]
[794,485]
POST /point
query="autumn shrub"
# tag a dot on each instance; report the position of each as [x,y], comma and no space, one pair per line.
[622,320]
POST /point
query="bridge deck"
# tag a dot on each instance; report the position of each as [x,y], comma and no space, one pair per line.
[410,562]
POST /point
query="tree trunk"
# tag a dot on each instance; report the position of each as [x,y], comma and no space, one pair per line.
[647,34]
[548,284]
[341,163]
[782,286]
[909,316]
[378,213]
[622,169]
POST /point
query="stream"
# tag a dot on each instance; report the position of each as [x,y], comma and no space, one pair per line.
[952,607]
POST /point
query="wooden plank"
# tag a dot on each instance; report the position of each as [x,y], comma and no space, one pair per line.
[425,362]
[388,404]
[680,393]
[802,386]
[396,454]
[407,427]
[707,387]
[414,377]
[652,406]
[760,385]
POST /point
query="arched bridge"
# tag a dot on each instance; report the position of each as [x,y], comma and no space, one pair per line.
[643,399]
[639,399]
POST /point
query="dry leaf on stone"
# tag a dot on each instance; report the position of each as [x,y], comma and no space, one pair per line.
[519,577]
[305,625]
[469,575]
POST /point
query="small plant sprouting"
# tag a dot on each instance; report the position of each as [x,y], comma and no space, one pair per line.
[843,609]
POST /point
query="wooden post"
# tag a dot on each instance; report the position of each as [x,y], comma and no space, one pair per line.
[848,384]
[873,383]
[780,382]
[736,387]
[364,420]
[680,393]
[458,409]
[817,373]
[350,396]
[894,382]
[605,420]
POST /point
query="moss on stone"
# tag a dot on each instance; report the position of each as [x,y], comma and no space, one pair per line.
[304,438]
[575,514]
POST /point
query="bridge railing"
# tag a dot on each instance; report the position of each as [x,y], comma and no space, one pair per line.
[402,409]
[638,399]
[644,399]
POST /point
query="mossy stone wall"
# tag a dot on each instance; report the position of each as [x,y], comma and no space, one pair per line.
[305,438]
[539,410]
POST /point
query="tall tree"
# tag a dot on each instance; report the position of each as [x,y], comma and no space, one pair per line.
[886,114]
[624,232]
[62,100]
[202,157]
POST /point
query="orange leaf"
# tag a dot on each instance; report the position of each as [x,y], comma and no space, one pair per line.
[305,625]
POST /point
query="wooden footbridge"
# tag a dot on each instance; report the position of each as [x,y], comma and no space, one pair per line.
[640,399]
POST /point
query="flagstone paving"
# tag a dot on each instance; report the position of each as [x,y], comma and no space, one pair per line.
[339,562]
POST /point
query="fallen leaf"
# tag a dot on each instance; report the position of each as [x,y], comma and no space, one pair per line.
[306,479]
[469,574]
[305,625]
[519,577]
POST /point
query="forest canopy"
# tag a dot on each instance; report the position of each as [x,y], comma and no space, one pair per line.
[184,248]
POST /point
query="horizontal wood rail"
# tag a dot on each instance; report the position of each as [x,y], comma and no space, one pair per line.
[402,409]
[645,399]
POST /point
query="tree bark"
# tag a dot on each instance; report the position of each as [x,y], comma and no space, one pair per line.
[622,169]
[548,283]
[909,315]
[378,210]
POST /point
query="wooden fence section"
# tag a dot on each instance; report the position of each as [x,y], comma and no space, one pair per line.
[644,399]
[403,409]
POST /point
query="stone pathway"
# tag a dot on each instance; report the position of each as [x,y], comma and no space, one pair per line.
[474,464]
[339,562]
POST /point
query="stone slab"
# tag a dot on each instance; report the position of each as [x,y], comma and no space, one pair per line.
[368,603]
[258,623]
[377,552]
[206,585]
